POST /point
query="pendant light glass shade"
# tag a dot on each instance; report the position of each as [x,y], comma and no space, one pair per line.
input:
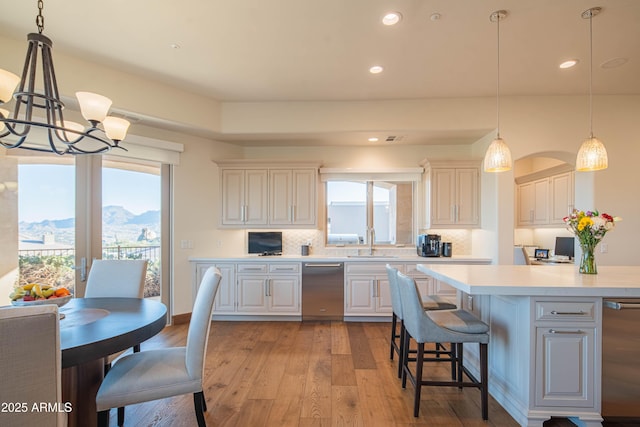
[498,157]
[592,156]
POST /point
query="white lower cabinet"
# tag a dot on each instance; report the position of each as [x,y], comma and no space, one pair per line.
[367,289]
[565,366]
[249,288]
[225,301]
[269,288]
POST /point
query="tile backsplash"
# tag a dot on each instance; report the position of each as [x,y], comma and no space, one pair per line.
[292,240]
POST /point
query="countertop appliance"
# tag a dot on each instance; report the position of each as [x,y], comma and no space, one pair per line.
[620,367]
[264,242]
[428,245]
[322,291]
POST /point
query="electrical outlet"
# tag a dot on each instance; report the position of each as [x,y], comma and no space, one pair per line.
[219,243]
[604,248]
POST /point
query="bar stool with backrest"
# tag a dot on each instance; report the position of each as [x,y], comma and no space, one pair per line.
[452,326]
[432,302]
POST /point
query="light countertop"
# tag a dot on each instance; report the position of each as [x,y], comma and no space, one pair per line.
[456,259]
[557,280]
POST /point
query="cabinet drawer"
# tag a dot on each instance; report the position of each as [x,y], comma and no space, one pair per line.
[412,270]
[252,268]
[284,268]
[369,268]
[569,311]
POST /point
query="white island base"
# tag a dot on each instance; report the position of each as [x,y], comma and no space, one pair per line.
[545,348]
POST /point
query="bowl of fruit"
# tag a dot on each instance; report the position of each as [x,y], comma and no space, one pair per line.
[37,294]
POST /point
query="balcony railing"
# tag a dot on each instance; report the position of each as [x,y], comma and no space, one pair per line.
[56,266]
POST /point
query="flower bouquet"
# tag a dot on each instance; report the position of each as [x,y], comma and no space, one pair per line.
[590,227]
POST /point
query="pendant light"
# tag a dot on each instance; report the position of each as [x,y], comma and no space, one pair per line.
[592,155]
[498,156]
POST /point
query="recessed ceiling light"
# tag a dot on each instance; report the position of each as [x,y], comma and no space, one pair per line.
[569,63]
[174,46]
[376,69]
[435,16]
[391,18]
[614,62]
[373,139]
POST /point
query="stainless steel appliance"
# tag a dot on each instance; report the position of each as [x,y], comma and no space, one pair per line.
[428,245]
[322,291]
[620,356]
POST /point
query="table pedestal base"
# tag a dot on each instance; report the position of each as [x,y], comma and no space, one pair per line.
[79,386]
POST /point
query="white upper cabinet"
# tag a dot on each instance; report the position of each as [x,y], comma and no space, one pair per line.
[544,201]
[244,197]
[454,195]
[268,196]
[292,196]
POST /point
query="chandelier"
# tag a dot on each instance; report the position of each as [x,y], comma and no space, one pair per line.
[38,106]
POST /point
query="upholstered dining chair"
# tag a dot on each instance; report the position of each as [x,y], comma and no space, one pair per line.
[30,366]
[161,373]
[121,278]
[451,326]
[431,302]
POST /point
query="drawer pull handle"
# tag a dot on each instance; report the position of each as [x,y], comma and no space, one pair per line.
[252,268]
[578,332]
[568,313]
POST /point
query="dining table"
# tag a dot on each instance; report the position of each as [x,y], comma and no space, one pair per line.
[92,329]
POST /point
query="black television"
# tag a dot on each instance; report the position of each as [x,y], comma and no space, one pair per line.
[564,247]
[265,242]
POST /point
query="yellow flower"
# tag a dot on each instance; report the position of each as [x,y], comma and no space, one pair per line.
[584,222]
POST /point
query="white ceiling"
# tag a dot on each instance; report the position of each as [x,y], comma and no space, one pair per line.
[304,50]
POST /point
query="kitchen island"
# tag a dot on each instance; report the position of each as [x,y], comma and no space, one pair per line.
[545,354]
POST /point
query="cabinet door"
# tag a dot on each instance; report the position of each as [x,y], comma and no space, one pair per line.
[446,291]
[565,367]
[359,295]
[256,201]
[561,197]
[304,197]
[233,188]
[284,294]
[280,196]
[383,296]
[252,294]
[443,198]
[526,203]
[225,301]
[541,210]
[466,206]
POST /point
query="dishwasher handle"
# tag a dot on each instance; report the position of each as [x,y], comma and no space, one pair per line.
[617,305]
[323,265]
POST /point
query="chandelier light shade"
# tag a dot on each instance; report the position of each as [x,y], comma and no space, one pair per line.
[37,104]
[592,155]
[498,156]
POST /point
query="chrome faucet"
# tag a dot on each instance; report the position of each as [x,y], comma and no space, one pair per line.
[371,238]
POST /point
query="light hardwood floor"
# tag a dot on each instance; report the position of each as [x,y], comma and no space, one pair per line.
[309,374]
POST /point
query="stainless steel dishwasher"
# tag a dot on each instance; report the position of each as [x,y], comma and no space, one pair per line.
[620,353]
[322,291]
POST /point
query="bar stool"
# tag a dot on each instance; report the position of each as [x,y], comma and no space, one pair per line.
[452,326]
[432,302]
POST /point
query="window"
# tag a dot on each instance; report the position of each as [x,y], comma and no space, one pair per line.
[354,207]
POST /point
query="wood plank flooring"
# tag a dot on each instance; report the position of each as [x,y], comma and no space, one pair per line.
[319,374]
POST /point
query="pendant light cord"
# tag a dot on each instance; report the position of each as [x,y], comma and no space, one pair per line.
[590,75]
[498,78]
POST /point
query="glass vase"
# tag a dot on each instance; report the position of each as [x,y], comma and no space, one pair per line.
[588,260]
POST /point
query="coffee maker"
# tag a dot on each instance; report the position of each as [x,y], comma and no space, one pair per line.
[428,245]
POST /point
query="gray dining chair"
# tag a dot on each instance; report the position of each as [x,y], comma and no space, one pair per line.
[166,372]
[30,366]
[431,302]
[451,326]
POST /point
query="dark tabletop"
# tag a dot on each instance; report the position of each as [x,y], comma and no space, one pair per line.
[97,327]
